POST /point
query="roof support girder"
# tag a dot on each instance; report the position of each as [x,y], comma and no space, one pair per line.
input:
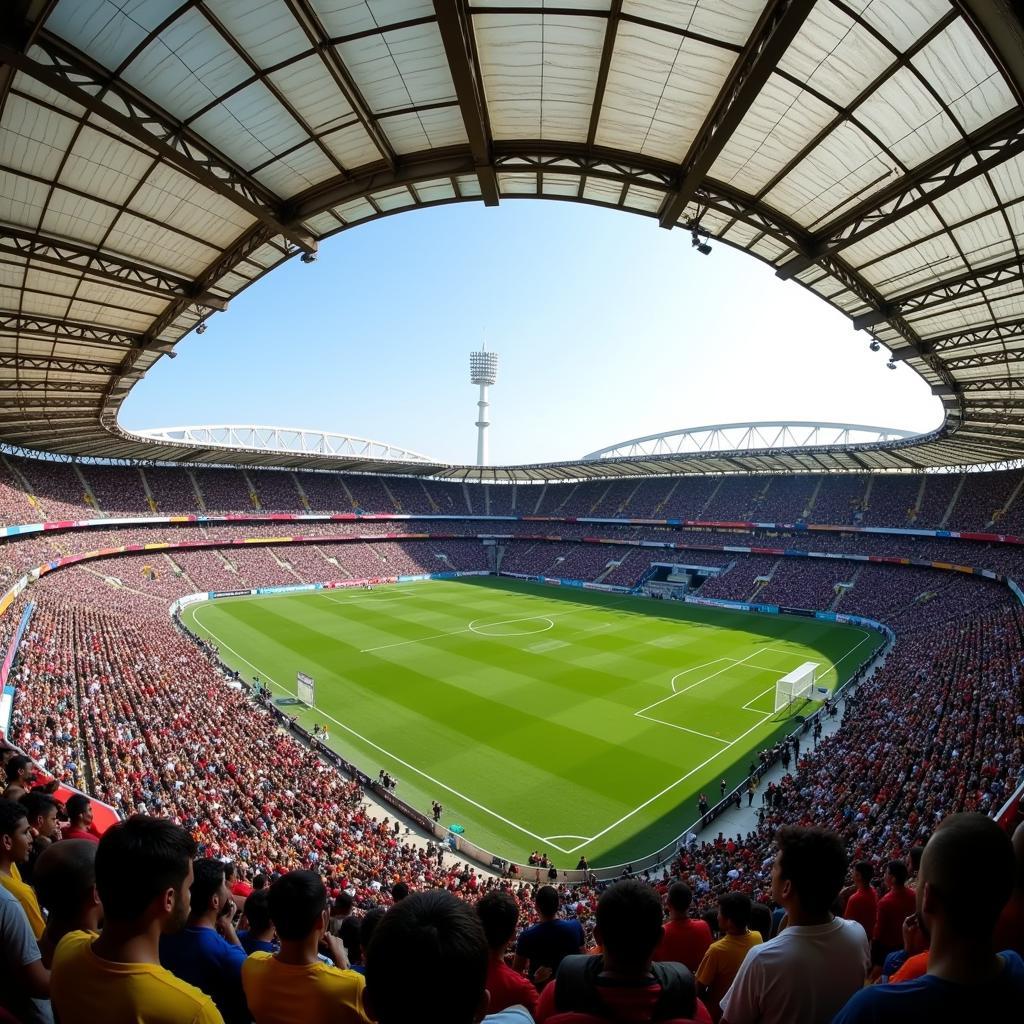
[983,149]
[455,26]
[1005,330]
[104,266]
[771,37]
[71,75]
[67,330]
[54,365]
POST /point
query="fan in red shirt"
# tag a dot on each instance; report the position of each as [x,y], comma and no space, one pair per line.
[684,940]
[499,914]
[893,908]
[862,906]
[79,809]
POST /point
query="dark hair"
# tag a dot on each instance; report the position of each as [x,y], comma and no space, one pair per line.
[735,907]
[207,879]
[864,869]
[761,920]
[368,925]
[680,897]
[915,857]
[343,903]
[629,917]
[399,891]
[259,881]
[16,765]
[349,933]
[138,860]
[898,870]
[257,910]
[971,900]
[230,871]
[429,943]
[11,813]
[37,804]
[64,877]
[77,804]
[498,914]
[814,861]
[546,900]
[297,901]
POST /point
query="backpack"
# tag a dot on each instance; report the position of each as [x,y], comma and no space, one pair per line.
[576,989]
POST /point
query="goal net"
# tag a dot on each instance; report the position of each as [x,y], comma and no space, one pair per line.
[795,686]
[305,689]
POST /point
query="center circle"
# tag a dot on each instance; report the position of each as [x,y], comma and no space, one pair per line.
[494,628]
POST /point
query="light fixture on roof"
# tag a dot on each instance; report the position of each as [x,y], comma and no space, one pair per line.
[702,247]
[874,346]
[308,257]
[201,327]
[891,364]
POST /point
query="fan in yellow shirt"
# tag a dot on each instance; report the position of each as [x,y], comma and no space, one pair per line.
[293,986]
[15,844]
[143,875]
[723,958]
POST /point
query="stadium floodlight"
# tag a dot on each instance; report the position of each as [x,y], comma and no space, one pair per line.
[874,346]
[483,370]
[201,327]
[702,247]
[891,364]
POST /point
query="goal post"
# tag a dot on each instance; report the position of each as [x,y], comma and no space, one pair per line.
[796,686]
[305,689]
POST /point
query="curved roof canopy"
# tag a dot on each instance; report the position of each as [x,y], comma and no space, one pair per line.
[158,156]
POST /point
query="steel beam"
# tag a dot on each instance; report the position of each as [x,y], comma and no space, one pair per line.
[48,364]
[67,330]
[1005,330]
[775,30]
[607,51]
[92,88]
[455,26]
[985,148]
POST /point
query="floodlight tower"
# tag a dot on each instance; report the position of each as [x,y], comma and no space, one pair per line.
[483,370]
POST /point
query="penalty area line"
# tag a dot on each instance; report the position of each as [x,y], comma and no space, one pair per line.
[394,757]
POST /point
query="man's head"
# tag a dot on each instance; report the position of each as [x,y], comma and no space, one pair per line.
[65,881]
[679,898]
[629,926]
[41,811]
[914,859]
[863,872]
[546,901]
[342,905]
[15,837]
[896,874]
[399,891]
[20,771]
[430,943]
[499,914]
[809,870]
[143,873]
[966,878]
[298,906]
[257,911]
[79,810]
[734,912]
[209,889]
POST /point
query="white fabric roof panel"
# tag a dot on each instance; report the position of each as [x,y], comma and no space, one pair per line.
[366,107]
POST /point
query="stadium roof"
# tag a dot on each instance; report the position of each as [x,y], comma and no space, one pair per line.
[158,156]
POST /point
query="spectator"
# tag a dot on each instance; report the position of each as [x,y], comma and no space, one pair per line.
[41,811]
[399,891]
[959,906]
[207,953]
[79,808]
[15,846]
[1010,929]
[66,885]
[893,909]
[21,773]
[542,947]
[913,866]
[24,979]
[143,874]
[622,983]
[723,958]
[862,906]
[294,984]
[499,914]
[352,939]
[341,909]
[259,935]
[806,973]
[684,940]
[427,962]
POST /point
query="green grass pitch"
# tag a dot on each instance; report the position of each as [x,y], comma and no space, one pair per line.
[569,721]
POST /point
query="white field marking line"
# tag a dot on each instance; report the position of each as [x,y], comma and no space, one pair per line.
[468,629]
[681,728]
[747,707]
[548,839]
[692,771]
[687,671]
[387,753]
[733,663]
[472,627]
[368,600]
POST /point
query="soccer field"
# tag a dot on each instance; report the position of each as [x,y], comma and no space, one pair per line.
[569,721]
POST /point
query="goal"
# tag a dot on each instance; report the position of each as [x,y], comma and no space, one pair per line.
[796,685]
[305,689]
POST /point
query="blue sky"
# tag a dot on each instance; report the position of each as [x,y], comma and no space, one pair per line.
[607,328]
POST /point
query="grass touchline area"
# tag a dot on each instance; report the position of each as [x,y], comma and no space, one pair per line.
[536,715]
